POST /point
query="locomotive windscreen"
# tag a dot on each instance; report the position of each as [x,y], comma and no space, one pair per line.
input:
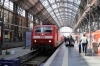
[44,29]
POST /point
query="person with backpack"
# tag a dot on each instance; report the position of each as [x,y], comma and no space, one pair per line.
[66,39]
[71,41]
[84,43]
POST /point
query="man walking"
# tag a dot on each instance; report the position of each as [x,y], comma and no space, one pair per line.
[84,43]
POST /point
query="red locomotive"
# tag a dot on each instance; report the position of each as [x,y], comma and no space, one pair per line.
[46,37]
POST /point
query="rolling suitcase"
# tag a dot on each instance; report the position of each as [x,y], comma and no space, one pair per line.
[79,48]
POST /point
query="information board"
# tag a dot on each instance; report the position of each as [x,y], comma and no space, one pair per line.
[28,38]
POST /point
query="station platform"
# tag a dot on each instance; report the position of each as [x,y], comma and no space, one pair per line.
[17,52]
[12,45]
[13,42]
[69,56]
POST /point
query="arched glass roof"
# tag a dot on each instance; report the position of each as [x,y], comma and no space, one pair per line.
[62,11]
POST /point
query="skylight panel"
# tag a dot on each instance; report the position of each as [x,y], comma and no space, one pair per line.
[54,6]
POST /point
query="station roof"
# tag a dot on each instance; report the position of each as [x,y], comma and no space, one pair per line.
[59,12]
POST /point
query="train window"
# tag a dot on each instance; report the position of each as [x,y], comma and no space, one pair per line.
[38,29]
[43,29]
[47,29]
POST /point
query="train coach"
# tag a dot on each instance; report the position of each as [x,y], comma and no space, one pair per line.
[46,37]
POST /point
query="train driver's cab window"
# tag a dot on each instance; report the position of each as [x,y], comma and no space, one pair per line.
[48,29]
[38,29]
[43,29]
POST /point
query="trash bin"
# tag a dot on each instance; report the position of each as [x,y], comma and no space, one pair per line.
[95,47]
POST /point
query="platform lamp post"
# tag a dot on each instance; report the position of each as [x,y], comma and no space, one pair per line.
[90,27]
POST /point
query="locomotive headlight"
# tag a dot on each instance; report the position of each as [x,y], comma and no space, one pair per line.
[49,40]
[34,40]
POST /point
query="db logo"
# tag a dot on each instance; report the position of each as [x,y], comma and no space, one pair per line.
[42,36]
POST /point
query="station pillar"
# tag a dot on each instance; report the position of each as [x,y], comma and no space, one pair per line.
[1,35]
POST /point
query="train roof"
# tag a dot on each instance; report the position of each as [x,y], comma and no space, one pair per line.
[44,25]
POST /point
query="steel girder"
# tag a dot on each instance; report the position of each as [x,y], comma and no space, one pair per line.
[66,13]
[64,16]
[33,8]
[22,3]
[58,8]
[93,2]
[33,5]
[54,13]
[64,8]
[69,2]
[59,13]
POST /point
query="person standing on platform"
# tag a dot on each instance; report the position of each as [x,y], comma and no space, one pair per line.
[76,39]
[71,41]
[84,43]
[65,39]
[79,46]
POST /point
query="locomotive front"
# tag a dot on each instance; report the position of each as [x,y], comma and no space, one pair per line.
[42,37]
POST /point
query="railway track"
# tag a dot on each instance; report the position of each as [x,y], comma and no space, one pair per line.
[36,59]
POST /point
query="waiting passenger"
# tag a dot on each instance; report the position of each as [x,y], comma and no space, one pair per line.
[66,39]
[71,40]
